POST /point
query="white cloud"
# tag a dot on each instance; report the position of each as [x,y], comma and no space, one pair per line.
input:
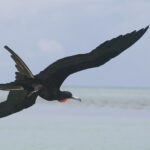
[51,47]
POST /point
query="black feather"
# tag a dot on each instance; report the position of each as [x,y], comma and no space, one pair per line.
[57,72]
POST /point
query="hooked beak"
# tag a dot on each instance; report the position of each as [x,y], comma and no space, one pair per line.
[76,98]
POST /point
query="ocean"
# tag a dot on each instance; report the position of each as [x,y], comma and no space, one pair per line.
[107,119]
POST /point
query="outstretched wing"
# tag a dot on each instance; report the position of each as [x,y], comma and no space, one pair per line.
[16,101]
[61,69]
[20,65]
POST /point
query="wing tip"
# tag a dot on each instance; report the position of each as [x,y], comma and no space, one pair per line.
[146,28]
[7,48]
[142,31]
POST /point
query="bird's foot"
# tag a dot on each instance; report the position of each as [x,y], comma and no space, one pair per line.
[37,87]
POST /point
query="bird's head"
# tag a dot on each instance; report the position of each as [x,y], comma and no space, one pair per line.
[65,95]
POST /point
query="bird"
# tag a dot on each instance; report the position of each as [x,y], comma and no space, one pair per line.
[26,87]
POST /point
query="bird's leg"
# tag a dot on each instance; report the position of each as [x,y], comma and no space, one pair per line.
[37,87]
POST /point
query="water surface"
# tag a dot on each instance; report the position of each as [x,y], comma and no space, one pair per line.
[107,119]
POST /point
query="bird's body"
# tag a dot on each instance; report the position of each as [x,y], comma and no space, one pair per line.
[46,90]
[25,89]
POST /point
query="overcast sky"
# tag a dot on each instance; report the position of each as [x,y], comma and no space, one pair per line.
[42,31]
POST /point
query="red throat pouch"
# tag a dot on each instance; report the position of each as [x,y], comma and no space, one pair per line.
[63,100]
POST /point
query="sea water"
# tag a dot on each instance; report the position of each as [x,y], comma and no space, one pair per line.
[107,119]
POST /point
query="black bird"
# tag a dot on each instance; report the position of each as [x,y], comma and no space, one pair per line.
[26,87]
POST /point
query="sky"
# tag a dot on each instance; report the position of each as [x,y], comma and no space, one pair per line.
[42,31]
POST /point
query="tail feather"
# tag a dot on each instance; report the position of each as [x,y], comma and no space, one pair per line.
[10,86]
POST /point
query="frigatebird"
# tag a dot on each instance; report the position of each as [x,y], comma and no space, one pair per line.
[26,87]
